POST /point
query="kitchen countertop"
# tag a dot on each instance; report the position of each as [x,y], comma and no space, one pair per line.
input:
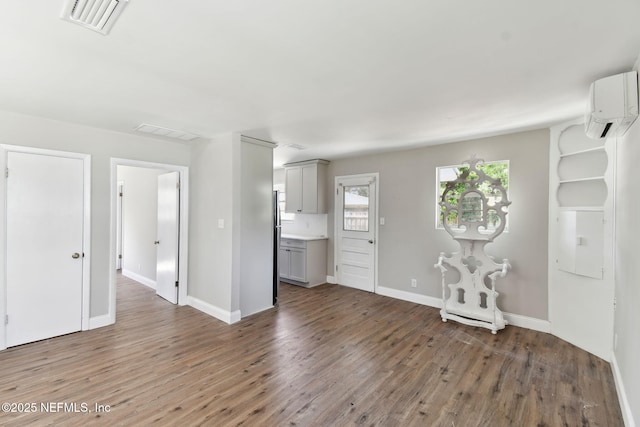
[305,237]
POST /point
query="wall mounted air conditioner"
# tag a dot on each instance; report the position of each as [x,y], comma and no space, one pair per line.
[613,105]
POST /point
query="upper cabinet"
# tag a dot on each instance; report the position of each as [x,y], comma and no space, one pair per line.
[305,187]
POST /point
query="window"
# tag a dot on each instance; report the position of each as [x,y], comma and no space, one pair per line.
[356,208]
[472,203]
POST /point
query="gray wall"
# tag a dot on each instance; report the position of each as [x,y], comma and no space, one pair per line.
[140,220]
[210,247]
[409,244]
[256,236]
[230,268]
[627,269]
[18,129]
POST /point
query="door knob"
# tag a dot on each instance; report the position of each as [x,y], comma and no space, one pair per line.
[157,242]
[75,255]
[371,241]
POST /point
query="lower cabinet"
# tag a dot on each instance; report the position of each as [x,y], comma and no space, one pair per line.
[303,262]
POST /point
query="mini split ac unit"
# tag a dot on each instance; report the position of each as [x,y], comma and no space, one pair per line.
[613,105]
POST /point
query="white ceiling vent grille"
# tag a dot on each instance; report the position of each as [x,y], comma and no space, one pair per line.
[166,132]
[97,15]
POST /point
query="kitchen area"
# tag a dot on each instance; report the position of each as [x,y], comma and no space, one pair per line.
[300,248]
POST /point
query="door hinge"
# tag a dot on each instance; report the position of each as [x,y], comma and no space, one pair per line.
[336,268]
[177,283]
[120,194]
[178,185]
[6,319]
[6,173]
[120,256]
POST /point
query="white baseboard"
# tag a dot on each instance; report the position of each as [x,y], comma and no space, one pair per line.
[139,278]
[512,319]
[528,322]
[627,415]
[409,296]
[332,280]
[210,309]
[100,321]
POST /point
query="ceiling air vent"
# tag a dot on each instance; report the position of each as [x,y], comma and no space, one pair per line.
[97,15]
[166,132]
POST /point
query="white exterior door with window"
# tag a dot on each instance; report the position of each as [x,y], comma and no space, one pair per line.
[355,230]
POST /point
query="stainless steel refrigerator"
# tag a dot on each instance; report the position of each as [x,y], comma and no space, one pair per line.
[276,246]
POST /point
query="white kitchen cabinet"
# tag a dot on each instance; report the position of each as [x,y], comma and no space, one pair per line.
[303,262]
[305,187]
[298,270]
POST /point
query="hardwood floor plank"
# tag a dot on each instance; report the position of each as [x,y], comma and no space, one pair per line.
[326,356]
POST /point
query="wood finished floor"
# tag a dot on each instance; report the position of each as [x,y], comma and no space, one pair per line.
[327,356]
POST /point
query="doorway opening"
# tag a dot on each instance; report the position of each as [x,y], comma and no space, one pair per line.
[144,256]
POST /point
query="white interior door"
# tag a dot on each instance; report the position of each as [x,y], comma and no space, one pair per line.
[356,231]
[168,236]
[44,249]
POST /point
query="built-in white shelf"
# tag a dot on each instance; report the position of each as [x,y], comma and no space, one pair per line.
[588,150]
[581,208]
[587,179]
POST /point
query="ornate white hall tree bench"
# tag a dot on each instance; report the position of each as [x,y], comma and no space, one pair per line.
[478,203]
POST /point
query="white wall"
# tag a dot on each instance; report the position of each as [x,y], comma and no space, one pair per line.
[409,244]
[627,272]
[581,307]
[140,222]
[18,129]
[224,273]
[211,222]
[256,244]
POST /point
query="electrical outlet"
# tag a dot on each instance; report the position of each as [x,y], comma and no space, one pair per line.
[414,283]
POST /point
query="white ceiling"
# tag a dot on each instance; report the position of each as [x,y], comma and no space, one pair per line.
[336,76]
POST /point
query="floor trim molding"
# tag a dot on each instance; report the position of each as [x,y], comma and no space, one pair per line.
[100,321]
[139,278]
[625,408]
[513,319]
[210,309]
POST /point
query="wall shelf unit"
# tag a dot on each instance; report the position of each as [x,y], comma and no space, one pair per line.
[590,178]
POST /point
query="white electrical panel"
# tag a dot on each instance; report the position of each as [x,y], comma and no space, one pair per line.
[581,242]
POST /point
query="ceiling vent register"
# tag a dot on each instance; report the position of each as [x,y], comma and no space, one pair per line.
[97,15]
[166,132]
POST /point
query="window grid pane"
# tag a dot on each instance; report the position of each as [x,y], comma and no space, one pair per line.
[356,208]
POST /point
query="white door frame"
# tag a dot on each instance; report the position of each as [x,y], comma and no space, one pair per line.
[337,214]
[184,227]
[86,234]
[119,225]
